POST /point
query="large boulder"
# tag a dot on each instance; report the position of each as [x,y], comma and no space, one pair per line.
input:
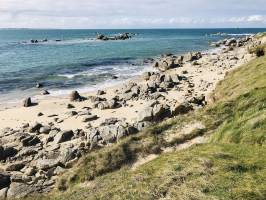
[160,112]
[45,164]
[108,133]
[19,190]
[145,114]
[4,180]
[166,64]
[63,136]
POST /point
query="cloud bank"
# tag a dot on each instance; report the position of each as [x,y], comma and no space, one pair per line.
[131,14]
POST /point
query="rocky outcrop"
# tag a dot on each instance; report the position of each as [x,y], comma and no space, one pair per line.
[123,36]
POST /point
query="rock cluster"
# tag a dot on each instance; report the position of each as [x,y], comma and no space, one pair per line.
[123,36]
[34,156]
[232,42]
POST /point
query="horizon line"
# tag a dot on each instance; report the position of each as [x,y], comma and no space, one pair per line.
[162,28]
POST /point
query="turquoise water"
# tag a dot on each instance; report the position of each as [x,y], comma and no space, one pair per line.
[78,61]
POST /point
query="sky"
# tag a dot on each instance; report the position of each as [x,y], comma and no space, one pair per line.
[93,14]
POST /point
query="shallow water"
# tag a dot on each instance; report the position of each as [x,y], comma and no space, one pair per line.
[79,61]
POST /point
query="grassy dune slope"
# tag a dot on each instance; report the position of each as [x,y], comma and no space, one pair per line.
[231,165]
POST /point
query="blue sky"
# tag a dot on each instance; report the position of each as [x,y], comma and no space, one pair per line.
[132,14]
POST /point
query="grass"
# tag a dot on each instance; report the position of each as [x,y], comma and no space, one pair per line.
[231,165]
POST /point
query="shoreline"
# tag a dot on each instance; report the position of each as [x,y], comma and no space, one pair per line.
[48,138]
[64,98]
[11,101]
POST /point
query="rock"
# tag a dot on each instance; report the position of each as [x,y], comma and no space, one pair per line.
[40,114]
[201,101]
[123,36]
[45,129]
[231,42]
[113,103]
[129,96]
[39,85]
[180,108]
[45,164]
[72,113]
[30,171]
[100,92]
[45,92]
[27,151]
[192,56]
[75,96]
[3,193]
[35,128]
[121,132]
[90,118]
[145,114]
[30,140]
[15,166]
[141,125]
[100,37]
[68,154]
[4,180]
[19,190]
[110,121]
[166,64]
[25,125]
[7,152]
[70,106]
[63,136]
[146,76]
[127,87]
[108,133]
[95,99]
[27,102]
[59,170]
[160,112]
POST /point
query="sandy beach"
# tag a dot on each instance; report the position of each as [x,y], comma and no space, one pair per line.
[202,75]
[48,132]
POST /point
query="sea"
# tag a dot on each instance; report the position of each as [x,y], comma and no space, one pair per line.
[75,60]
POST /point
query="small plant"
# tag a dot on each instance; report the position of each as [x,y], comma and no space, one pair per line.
[260,52]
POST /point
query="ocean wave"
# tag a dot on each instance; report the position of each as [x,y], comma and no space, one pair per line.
[240,34]
[119,70]
[109,82]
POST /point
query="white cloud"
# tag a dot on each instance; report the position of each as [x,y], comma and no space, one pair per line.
[131,14]
[256,18]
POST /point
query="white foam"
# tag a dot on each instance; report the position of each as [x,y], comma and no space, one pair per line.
[240,34]
[105,84]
